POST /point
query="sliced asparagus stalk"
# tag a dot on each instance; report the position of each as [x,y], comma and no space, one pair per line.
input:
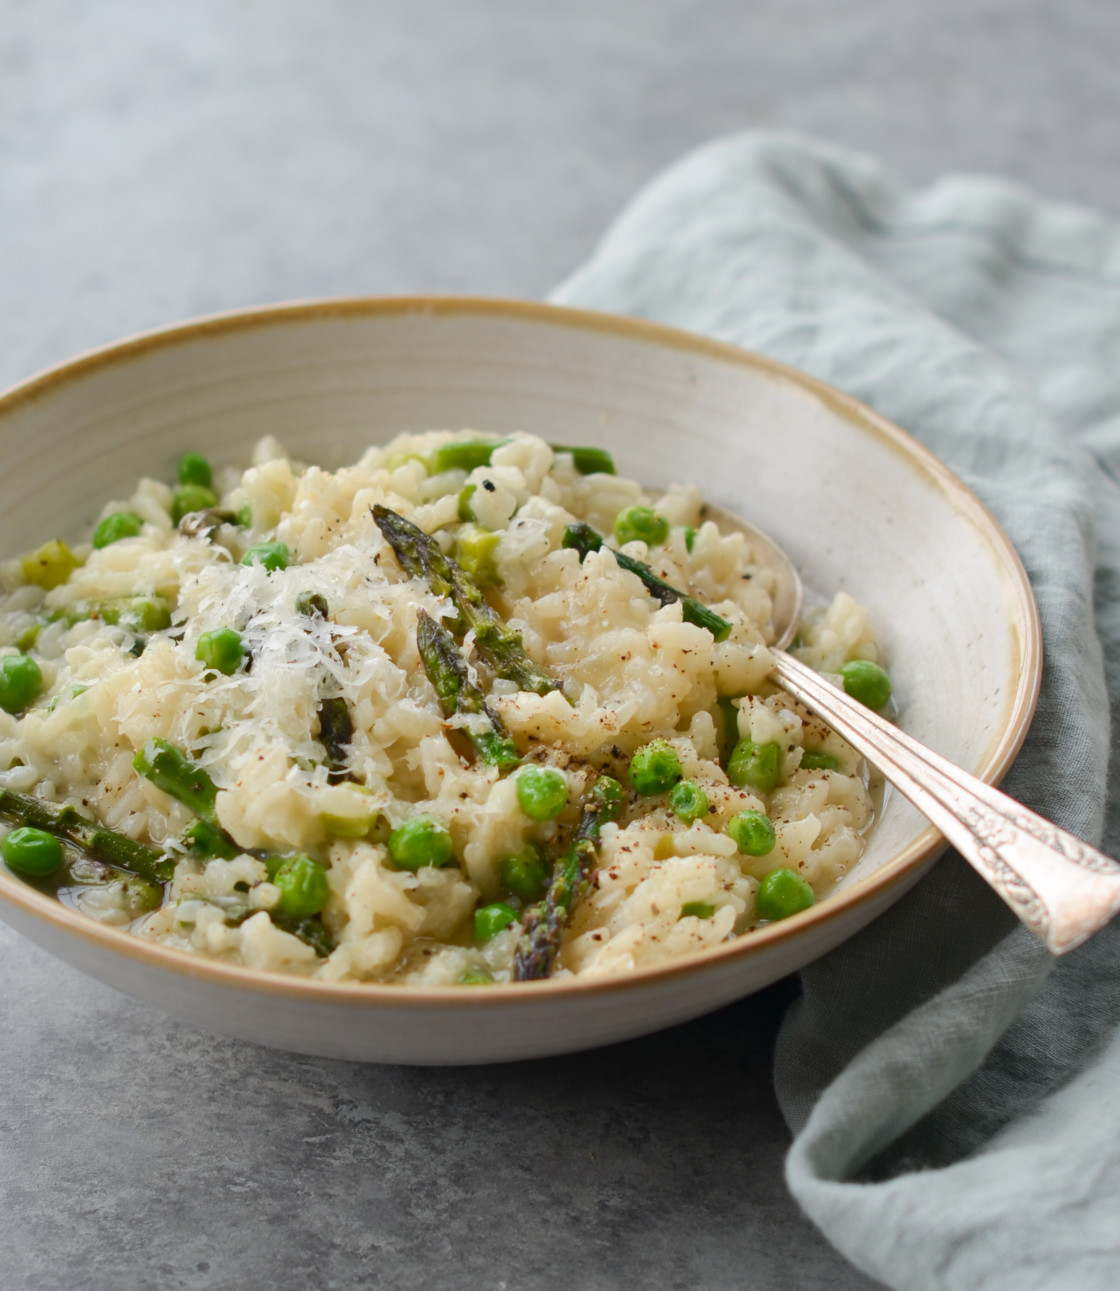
[208,841]
[336,730]
[582,538]
[462,454]
[102,844]
[336,726]
[543,926]
[169,769]
[309,930]
[448,672]
[588,461]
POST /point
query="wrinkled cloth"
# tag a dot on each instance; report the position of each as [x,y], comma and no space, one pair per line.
[953,1091]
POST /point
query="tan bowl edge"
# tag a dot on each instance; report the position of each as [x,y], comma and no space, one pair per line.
[1019,708]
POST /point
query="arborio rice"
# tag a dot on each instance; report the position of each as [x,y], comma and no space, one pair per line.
[292,678]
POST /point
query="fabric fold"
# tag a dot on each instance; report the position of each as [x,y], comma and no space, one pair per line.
[948,1085]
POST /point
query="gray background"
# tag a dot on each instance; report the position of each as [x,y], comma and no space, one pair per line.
[159,161]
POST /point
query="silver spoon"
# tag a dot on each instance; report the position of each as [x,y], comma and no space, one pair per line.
[1061,888]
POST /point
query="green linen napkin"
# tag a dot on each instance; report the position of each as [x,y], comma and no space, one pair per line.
[954,1094]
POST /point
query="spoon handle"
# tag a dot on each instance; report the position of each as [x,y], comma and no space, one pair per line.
[1061,888]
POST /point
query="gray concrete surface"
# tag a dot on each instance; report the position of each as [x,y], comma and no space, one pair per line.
[161,160]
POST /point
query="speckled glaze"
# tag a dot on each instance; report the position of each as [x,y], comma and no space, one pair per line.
[857,503]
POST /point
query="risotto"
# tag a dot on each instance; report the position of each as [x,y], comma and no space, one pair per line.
[471,710]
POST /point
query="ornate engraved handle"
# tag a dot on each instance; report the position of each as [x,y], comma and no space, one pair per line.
[1061,888]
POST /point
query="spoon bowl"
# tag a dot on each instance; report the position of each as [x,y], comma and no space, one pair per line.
[788,596]
[1060,887]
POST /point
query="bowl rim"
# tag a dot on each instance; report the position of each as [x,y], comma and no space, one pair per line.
[901,868]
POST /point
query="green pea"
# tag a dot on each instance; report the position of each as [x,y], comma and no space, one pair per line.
[420,841]
[542,792]
[31,851]
[608,795]
[313,605]
[304,889]
[782,893]
[689,538]
[753,833]
[272,555]
[121,524]
[21,680]
[654,768]
[475,976]
[221,649]
[697,909]
[640,523]
[489,920]
[191,497]
[525,875]
[688,801]
[866,682]
[755,766]
[195,469]
[245,516]
[815,760]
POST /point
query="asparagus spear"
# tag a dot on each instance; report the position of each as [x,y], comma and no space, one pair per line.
[103,844]
[422,557]
[169,769]
[336,730]
[544,924]
[141,895]
[309,929]
[336,726]
[583,539]
[209,841]
[447,671]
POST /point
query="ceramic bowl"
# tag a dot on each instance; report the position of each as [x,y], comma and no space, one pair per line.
[858,503]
